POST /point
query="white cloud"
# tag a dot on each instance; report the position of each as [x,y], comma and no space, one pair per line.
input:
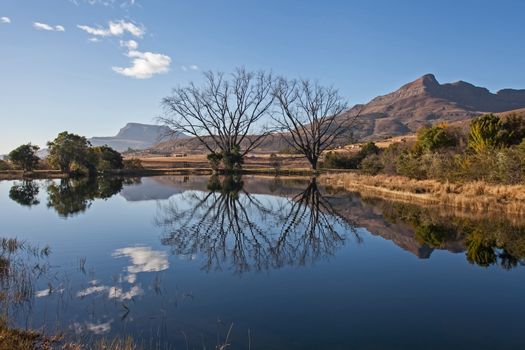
[121,3]
[94,40]
[119,294]
[91,290]
[5,20]
[145,65]
[129,44]
[190,67]
[115,28]
[99,328]
[143,259]
[45,26]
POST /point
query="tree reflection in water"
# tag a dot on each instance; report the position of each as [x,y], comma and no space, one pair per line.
[25,193]
[73,196]
[486,240]
[229,225]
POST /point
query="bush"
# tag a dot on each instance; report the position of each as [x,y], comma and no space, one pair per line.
[337,160]
[371,165]
[132,164]
[4,165]
[485,133]
[432,139]
[106,158]
[409,165]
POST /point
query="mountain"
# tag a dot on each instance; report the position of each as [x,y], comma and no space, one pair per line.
[426,101]
[136,136]
[421,102]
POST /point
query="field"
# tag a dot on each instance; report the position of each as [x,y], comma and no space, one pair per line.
[252,162]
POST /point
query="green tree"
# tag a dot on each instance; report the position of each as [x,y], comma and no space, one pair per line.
[513,130]
[24,157]
[485,133]
[107,158]
[431,139]
[71,154]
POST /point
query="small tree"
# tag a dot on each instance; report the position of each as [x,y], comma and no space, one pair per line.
[310,114]
[24,157]
[223,113]
[107,158]
[485,133]
[71,153]
[431,139]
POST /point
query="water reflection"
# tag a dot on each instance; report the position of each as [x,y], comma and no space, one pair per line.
[25,193]
[21,265]
[486,241]
[73,196]
[230,227]
[118,279]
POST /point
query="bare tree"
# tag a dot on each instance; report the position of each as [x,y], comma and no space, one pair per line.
[310,114]
[223,114]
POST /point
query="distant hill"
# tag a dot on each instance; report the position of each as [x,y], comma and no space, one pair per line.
[426,101]
[136,136]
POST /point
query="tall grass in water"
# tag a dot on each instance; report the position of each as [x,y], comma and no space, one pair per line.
[470,196]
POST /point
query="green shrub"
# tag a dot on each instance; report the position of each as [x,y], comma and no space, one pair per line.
[106,158]
[410,165]
[132,164]
[4,165]
[337,160]
[485,133]
[371,165]
[432,139]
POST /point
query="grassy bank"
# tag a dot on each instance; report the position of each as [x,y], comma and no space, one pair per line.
[19,339]
[471,196]
[55,174]
[36,174]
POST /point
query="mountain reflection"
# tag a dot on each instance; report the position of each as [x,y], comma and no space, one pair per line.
[228,225]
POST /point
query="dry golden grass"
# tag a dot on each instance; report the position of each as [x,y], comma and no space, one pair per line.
[18,339]
[200,162]
[472,196]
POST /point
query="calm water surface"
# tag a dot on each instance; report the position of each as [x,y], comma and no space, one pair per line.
[180,262]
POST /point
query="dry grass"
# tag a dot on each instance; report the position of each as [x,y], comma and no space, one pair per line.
[21,339]
[261,161]
[18,339]
[472,196]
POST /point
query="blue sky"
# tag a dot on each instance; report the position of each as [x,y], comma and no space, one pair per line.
[63,67]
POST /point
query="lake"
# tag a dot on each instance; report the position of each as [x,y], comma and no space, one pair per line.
[256,263]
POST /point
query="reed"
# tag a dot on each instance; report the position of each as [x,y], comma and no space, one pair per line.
[470,196]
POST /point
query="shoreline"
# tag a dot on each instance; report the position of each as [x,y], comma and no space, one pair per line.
[475,196]
[478,196]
